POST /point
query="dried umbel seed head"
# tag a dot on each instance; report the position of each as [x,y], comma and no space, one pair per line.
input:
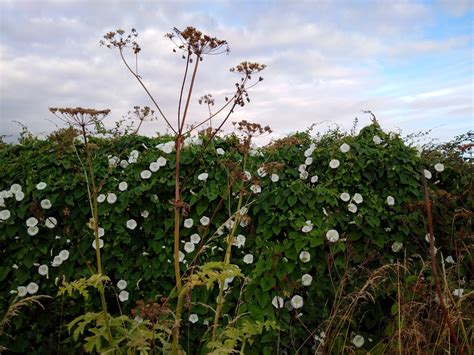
[79,116]
[193,41]
[143,113]
[248,68]
[206,99]
[151,310]
[118,40]
[251,129]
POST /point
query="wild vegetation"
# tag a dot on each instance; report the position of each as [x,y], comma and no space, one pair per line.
[199,243]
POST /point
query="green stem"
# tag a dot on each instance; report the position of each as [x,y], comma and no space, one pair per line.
[95,218]
[228,254]
[179,310]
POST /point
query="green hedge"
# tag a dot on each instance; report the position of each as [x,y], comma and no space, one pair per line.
[273,235]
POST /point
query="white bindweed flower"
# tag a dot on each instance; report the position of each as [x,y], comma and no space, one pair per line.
[239,241]
[154,166]
[357,198]
[113,162]
[314,179]
[345,197]
[41,186]
[193,318]
[308,161]
[101,198]
[427,174]
[122,284]
[334,164]
[297,302]
[111,198]
[2,202]
[19,196]
[278,302]
[332,235]
[101,244]
[22,291]
[390,200]
[123,186]
[131,224]
[101,231]
[358,341]
[64,254]
[15,266]
[458,292]
[308,227]
[427,238]
[46,204]
[51,222]
[248,259]
[274,177]
[145,174]
[204,220]
[15,188]
[305,256]
[450,260]
[57,261]
[203,176]
[33,230]
[32,288]
[123,296]
[31,222]
[247,175]
[189,247]
[302,168]
[256,189]
[43,270]
[308,152]
[181,256]
[376,139]
[344,148]
[188,223]
[124,164]
[5,214]
[352,207]
[306,279]
[220,151]
[161,161]
[261,172]
[195,238]
[304,175]
[439,167]
[144,214]
[397,246]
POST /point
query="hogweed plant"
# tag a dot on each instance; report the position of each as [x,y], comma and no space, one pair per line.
[193,46]
[83,119]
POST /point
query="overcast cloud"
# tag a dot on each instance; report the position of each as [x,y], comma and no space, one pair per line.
[409,62]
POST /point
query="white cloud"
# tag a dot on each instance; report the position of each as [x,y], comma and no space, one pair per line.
[325,61]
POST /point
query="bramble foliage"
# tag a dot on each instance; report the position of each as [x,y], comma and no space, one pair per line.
[315,211]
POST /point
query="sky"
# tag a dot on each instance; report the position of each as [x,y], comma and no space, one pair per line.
[409,62]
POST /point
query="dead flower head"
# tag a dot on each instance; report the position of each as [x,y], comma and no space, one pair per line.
[195,42]
[118,40]
[80,117]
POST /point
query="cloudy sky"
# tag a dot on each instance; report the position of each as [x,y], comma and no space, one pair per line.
[409,62]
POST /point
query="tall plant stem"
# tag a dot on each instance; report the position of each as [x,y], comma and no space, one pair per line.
[179,311]
[95,218]
[228,253]
[177,208]
[434,268]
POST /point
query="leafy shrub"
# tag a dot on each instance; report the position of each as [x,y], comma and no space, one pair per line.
[295,225]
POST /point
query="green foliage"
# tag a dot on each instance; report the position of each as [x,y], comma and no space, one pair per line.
[97,281]
[129,336]
[272,228]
